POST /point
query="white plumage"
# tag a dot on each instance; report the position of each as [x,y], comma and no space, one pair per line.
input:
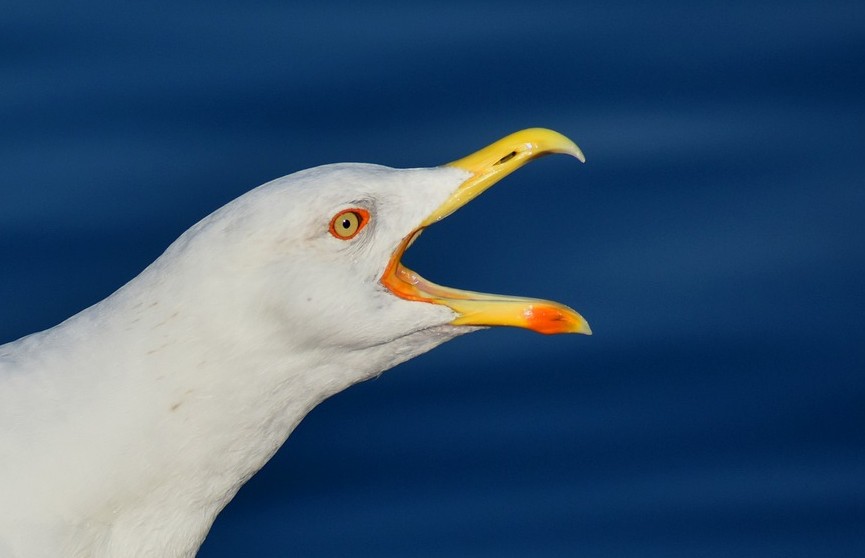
[125,429]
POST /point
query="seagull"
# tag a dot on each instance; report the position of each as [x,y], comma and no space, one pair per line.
[127,428]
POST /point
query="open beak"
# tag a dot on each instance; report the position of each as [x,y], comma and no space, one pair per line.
[488,166]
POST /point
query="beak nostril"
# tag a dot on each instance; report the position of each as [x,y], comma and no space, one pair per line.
[506,158]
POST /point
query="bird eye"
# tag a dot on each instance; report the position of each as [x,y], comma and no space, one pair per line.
[346,224]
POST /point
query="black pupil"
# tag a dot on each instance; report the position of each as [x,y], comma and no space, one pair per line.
[346,223]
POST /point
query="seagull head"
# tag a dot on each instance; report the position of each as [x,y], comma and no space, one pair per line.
[314,258]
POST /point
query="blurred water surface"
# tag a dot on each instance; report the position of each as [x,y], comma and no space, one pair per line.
[714,240]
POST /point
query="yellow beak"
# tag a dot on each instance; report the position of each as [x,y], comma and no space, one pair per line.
[487,167]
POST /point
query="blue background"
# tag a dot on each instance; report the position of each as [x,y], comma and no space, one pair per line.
[714,240]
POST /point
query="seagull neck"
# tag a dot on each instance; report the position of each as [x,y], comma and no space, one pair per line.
[176,412]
